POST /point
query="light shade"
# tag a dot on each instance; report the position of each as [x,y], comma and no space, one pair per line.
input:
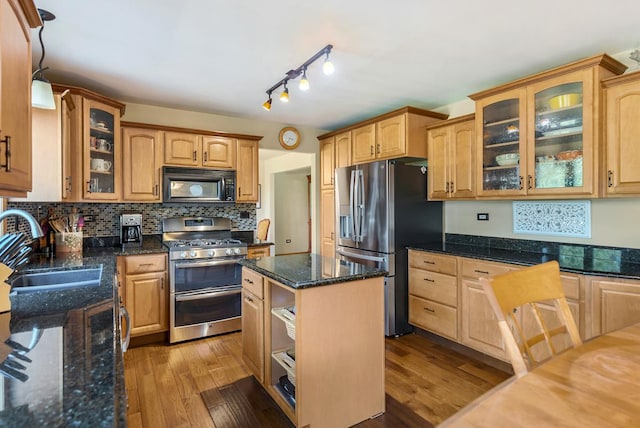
[328,67]
[304,83]
[267,105]
[284,96]
[42,95]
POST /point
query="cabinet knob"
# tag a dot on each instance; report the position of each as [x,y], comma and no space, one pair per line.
[7,154]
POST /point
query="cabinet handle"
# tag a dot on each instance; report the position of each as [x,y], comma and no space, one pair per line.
[195,156]
[161,283]
[371,147]
[248,299]
[451,187]
[521,183]
[481,271]
[429,262]
[68,179]
[248,280]
[205,156]
[332,236]
[529,182]
[88,186]
[446,187]
[378,147]
[7,154]
[429,280]
[155,192]
[331,180]
[429,310]
[609,178]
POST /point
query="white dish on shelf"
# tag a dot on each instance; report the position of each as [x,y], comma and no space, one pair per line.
[508,159]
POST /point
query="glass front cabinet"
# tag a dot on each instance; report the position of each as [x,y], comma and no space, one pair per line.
[541,138]
[101,151]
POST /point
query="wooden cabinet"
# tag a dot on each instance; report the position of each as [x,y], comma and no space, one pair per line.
[254,252]
[540,135]
[622,100]
[478,324]
[343,150]
[327,223]
[616,303]
[194,150]
[433,293]
[327,162]
[451,154]
[247,171]
[396,134]
[343,372]
[16,20]
[146,292]
[141,165]
[91,146]
[253,322]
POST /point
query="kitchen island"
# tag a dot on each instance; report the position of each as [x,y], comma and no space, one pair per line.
[313,335]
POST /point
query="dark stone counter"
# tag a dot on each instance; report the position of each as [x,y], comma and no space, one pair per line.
[75,376]
[582,259]
[310,270]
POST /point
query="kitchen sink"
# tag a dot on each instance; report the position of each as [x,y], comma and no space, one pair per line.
[55,279]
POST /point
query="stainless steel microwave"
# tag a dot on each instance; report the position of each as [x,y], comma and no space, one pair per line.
[198,185]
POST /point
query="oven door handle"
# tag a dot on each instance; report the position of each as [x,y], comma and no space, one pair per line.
[198,296]
[206,264]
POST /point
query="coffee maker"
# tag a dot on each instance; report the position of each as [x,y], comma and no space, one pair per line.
[131,230]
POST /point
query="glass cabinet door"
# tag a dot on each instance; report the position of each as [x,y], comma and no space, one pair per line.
[558,149]
[502,132]
[102,144]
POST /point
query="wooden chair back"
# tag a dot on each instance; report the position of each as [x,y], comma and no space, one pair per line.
[530,292]
[263,229]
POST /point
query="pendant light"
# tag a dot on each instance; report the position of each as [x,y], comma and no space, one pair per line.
[41,91]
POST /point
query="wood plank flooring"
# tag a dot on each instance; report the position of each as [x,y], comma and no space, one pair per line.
[164,382]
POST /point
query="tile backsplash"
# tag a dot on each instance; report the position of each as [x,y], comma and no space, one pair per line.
[106,216]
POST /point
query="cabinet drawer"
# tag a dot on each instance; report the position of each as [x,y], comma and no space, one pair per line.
[255,252]
[433,316]
[145,263]
[432,262]
[433,286]
[481,269]
[252,282]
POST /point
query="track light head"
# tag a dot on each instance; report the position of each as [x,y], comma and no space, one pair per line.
[267,104]
[328,67]
[304,82]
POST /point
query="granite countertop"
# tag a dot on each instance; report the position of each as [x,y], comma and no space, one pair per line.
[582,259]
[259,244]
[74,372]
[310,270]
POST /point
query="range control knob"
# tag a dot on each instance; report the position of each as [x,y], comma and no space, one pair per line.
[183,255]
[237,251]
[211,253]
[229,252]
[193,254]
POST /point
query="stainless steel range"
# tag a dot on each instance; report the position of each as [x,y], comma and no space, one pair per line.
[204,276]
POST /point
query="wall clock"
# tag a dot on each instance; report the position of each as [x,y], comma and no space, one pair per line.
[289,137]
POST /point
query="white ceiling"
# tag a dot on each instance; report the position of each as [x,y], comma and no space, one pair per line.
[220,56]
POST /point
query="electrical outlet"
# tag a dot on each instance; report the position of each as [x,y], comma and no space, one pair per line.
[88,218]
[483,216]
[288,241]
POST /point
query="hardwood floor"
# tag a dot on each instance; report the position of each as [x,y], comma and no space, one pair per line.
[164,382]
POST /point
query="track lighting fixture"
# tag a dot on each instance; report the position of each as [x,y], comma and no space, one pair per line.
[284,96]
[41,91]
[327,67]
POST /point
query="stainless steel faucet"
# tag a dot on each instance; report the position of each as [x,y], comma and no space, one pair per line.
[36,230]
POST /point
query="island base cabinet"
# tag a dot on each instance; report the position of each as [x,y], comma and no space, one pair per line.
[329,342]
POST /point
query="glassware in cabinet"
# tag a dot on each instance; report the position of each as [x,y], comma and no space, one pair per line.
[102,145]
[501,134]
[558,148]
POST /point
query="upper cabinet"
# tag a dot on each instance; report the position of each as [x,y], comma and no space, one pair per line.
[400,133]
[451,147]
[16,20]
[218,152]
[141,163]
[327,162]
[210,151]
[622,99]
[247,171]
[540,136]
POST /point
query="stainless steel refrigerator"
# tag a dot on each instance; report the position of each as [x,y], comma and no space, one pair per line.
[382,207]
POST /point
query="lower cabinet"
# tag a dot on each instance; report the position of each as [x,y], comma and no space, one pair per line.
[616,303]
[446,298]
[302,361]
[145,292]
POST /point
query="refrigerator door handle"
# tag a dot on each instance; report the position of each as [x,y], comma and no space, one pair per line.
[360,202]
[360,256]
[352,205]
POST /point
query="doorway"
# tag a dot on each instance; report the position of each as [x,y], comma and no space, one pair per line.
[292,211]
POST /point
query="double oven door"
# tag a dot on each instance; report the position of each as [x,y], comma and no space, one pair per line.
[205,297]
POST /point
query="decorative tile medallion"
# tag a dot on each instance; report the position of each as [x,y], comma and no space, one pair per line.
[562,218]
